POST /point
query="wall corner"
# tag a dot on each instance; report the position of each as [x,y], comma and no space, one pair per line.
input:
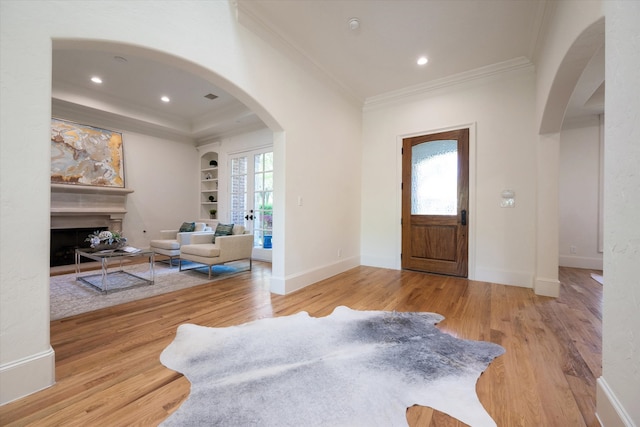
[26,376]
[609,411]
[546,287]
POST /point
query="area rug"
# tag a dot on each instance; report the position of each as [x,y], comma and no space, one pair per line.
[69,296]
[351,368]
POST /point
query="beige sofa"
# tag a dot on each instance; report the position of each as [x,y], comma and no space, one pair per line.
[202,250]
[170,241]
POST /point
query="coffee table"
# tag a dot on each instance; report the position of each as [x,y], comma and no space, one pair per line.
[123,278]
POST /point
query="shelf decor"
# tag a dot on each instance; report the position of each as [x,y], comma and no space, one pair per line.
[209,198]
[86,155]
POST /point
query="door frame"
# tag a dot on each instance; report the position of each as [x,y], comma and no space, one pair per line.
[471,268]
[258,253]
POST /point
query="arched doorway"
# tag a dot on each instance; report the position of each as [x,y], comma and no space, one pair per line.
[563,84]
[239,113]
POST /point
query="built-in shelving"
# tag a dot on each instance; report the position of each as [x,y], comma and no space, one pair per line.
[208,183]
[209,175]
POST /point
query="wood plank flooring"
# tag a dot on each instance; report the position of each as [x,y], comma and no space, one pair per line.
[109,374]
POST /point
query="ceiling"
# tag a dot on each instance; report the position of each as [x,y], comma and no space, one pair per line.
[375,59]
[380,56]
[131,89]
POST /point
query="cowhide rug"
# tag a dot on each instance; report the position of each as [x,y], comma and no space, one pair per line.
[351,368]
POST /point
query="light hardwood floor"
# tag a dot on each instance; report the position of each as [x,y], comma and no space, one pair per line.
[108,372]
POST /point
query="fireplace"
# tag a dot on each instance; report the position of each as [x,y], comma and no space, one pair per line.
[64,243]
[77,211]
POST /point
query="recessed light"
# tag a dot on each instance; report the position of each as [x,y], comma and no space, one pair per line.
[422,60]
[354,24]
[165,99]
[96,79]
[120,58]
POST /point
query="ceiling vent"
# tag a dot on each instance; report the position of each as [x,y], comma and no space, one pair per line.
[211,96]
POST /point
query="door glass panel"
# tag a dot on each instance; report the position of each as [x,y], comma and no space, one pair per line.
[238,192]
[434,178]
[263,199]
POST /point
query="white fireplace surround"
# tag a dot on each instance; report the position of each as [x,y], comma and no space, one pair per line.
[81,206]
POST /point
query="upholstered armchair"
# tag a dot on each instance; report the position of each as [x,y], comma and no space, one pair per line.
[203,250]
[170,241]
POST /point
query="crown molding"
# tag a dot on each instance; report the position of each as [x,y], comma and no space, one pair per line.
[453,81]
[544,17]
[61,108]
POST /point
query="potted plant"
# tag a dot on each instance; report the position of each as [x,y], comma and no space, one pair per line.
[212,213]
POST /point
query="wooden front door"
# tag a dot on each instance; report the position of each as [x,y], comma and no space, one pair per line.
[435,203]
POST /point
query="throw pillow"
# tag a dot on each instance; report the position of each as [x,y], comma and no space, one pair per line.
[187,227]
[223,230]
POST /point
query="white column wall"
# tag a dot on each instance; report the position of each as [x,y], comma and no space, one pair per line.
[320,145]
[322,198]
[546,278]
[501,112]
[556,77]
[579,193]
[619,386]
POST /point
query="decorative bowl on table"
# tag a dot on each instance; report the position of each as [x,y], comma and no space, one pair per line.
[105,240]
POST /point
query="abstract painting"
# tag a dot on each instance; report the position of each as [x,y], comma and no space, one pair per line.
[85,155]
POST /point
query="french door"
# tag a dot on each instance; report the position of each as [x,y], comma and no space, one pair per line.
[251,194]
[435,202]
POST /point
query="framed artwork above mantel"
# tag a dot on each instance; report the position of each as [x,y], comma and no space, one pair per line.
[86,155]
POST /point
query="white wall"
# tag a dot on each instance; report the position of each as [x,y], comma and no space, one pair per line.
[319,161]
[321,219]
[501,112]
[579,190]
[164,178]
[619,386]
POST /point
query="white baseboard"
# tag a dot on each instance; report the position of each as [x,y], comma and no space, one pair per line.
[26,376]
[503,277]
[580,262]
[381,262]
[546,287]
[259,254]
[609,411]
[541,286]
[294,282]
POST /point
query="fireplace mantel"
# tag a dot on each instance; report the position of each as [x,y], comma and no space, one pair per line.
[71,188]
[76,206]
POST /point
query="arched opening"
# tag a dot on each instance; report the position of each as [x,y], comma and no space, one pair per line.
[567,77]
[240,109]
[564,84]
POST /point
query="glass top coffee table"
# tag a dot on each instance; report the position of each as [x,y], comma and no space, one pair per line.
[114,280]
